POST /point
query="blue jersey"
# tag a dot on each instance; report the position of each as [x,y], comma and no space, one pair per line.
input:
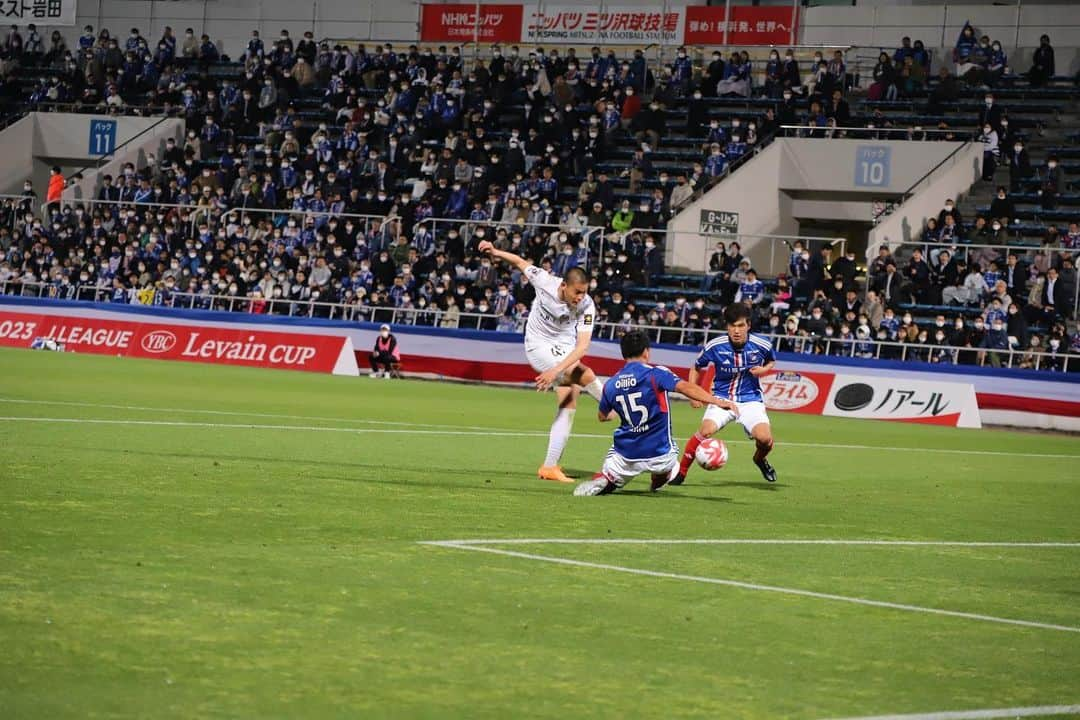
[639,394]
[733,379]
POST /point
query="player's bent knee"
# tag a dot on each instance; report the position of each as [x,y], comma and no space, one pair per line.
[583,375]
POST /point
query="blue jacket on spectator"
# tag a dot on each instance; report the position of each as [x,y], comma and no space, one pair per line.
[965,44]
[457,203]
[995,340]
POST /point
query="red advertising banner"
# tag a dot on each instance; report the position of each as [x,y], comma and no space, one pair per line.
[222,345]
[804,392]
[457,23]
[748,25]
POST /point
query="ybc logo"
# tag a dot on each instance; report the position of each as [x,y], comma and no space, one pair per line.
[158,341]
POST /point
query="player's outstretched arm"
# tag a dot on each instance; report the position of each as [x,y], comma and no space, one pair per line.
[695,380]
[510,258]
[695,392]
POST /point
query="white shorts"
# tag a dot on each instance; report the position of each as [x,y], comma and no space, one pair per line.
[544,356]
[750,414]
[620,471]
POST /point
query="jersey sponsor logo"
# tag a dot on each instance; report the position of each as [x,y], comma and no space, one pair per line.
[587,320]
[788,391]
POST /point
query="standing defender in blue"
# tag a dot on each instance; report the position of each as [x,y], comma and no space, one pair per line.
[638,396]
[739,358]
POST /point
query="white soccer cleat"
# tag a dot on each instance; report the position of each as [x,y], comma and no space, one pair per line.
[599,486]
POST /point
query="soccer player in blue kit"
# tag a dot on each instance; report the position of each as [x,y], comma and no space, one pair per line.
[638,396]
[739,357]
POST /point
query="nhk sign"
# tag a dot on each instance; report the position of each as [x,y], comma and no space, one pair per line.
[584,24]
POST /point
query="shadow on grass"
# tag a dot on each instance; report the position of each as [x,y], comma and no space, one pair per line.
[676,495]
[752,484]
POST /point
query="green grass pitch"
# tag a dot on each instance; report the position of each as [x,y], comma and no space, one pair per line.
[181,541]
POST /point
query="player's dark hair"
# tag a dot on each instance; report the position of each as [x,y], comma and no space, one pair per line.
[735,312]
[576,276]
[634,344]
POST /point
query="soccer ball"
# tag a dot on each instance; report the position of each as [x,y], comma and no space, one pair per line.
[711,454]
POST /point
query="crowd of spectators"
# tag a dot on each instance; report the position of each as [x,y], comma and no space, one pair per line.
[312,183]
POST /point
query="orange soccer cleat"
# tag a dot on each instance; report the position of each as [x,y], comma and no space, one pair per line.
[554,473]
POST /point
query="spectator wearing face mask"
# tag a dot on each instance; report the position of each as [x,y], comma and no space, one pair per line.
[991,152]
[994,344]
[950,210]
[385,355]
[940,352]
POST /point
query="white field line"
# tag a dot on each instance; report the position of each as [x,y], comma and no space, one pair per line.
[236,413]
[755,541]
[1016,712]
[486,430]
[755,586]
[251,426]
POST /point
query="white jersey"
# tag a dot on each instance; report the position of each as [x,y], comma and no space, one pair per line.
[551,321]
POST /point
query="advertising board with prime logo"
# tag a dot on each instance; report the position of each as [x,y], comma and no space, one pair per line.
[803,392]
[194,343]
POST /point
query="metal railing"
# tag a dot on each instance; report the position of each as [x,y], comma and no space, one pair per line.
[803,343]
[881,133]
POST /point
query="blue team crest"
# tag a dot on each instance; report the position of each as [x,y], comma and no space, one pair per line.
[752,357]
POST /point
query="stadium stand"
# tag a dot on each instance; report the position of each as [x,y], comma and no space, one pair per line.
[356,181]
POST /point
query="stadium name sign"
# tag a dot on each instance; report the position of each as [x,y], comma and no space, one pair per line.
[195,343]
[609,25]
[45,12]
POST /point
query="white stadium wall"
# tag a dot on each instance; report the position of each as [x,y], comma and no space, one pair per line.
[881,24]
[809,178]
[17,149]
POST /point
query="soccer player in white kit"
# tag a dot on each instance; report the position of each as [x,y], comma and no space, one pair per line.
[557,337]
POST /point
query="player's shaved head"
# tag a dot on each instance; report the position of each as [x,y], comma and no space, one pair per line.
[576,276]
[574,287]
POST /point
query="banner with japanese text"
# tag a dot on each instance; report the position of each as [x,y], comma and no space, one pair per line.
[873,397]
[748,25]
[39,12]
[458,23]
[618,25]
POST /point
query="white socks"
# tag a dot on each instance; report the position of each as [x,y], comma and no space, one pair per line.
[595,388]
[560,433]
[564,420]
